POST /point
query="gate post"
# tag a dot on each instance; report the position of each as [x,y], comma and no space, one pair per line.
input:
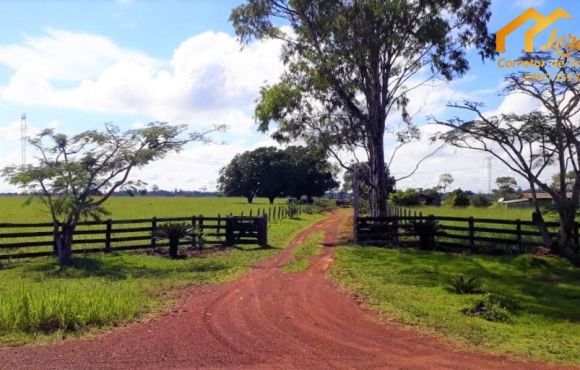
[230,231]
[263,233]
[355,203]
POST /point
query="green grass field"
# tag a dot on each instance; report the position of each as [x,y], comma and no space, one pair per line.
[12,209]
[412,287]
[39,300]
[301,256]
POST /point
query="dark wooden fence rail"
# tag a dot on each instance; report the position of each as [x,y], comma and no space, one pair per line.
[16,241]
[456,232]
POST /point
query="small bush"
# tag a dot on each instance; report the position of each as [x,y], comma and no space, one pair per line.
[293,209]
[406,198]
[492,307]
[426,231]
[464,285]
[480,201]
[457,198]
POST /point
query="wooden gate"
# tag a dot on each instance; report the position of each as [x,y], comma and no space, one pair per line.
[377,230]
[247,230]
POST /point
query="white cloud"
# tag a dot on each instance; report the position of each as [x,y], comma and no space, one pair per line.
[209,79]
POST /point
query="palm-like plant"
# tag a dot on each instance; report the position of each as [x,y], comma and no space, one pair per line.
[174,232]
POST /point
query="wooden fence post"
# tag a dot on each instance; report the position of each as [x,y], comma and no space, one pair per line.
[153,232]
[55,234]
[200,223]
[194,234]
[263,232]
[108,235]
[269,213]
[230,231]
[471,223]
[519,235]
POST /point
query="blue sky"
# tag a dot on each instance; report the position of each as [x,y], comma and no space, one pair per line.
[74,65]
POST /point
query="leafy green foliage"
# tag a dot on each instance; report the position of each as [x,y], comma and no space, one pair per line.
[457,198]
[75,176]
[347,63]
[480,201]
[293,209]
[272,172]
[465,285]
[174,232]
[406,198]
[491,307]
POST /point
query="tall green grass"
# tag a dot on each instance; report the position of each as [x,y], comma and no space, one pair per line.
[50,307]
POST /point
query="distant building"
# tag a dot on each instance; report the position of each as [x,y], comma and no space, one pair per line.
[526,200]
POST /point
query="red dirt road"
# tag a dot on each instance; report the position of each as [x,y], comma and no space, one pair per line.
[266,320]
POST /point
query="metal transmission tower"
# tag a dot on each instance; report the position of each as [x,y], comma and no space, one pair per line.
[23,137]
[489,164]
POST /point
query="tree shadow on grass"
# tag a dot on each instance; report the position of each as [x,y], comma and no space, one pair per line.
[118,269]
[548,288]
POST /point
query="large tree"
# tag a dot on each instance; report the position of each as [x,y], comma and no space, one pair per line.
[506,187]
[75,175]
[351,64]
[271,172]
[532,143]
[241,177]
[312,173]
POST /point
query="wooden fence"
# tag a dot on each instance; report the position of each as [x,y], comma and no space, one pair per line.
[458,233]
[23,240]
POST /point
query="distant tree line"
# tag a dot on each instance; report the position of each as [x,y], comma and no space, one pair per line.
[271,172]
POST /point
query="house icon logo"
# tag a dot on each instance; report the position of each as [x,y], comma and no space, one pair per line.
[541,24]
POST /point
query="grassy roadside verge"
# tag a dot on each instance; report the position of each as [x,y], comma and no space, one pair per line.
[413,287]
[40,301]
[301,257]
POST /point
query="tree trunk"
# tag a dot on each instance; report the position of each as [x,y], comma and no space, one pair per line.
[173,247]
[271,199]
[378,196]
[566,232]
[250,198]
[63,243]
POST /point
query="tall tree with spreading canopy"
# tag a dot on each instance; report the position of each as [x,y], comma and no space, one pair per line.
[532,143]
[75,175]
[445,180]
[312,173]
[351,64]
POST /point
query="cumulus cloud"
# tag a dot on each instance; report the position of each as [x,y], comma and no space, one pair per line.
[209,78]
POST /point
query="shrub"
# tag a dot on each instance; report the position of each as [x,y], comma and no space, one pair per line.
[426,231]
[325,205]
[406,198]
[463,285]
[480,201]
[492,307]
[174,232]
[293,209]
[457,198]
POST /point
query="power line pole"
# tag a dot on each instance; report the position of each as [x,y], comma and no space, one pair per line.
[489,165]
[23,138]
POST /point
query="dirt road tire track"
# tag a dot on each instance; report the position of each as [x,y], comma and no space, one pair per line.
[267,320]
